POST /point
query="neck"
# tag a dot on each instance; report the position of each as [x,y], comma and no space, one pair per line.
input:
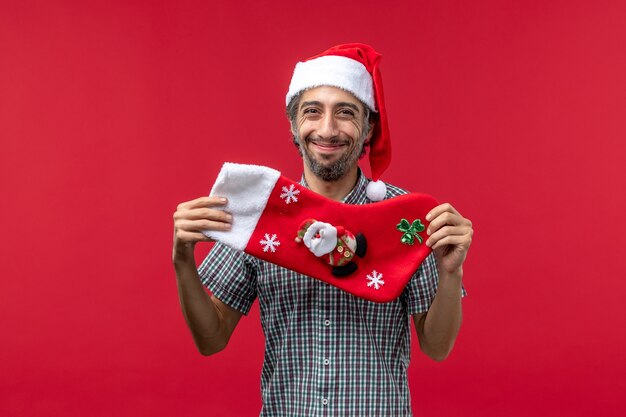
[335,190]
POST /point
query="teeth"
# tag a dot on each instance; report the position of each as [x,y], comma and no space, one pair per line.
[329,145]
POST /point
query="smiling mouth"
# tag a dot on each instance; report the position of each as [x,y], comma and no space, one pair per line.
[329,146]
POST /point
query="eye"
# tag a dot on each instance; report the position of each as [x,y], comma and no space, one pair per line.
[346,112]
[309,111]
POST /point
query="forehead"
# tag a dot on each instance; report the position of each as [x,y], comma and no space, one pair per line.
[329,96]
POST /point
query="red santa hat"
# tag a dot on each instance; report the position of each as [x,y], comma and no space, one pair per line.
[352,67]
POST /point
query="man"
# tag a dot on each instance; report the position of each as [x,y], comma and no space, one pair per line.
[327,352]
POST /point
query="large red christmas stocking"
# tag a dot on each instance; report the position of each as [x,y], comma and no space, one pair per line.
[369,250]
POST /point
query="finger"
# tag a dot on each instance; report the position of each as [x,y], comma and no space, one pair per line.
[445,218]
[461,241]
[441,208]
[203,202]
[191,237]
[202,225]
[204,214]
[447,231]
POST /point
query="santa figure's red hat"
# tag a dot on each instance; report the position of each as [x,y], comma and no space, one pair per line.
[353,67]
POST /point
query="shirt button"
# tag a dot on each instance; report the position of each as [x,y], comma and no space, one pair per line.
[324,401]
[326,361]
[327,323]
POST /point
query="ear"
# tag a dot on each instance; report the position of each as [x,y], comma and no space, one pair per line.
[293,130]
[371,133]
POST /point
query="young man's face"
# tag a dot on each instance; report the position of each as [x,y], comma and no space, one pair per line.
[329,128]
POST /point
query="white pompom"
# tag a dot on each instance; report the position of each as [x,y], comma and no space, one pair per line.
[376,190]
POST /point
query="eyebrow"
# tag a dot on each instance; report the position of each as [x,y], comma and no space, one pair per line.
[340,104]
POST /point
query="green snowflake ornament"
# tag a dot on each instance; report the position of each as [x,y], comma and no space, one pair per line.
[410,231]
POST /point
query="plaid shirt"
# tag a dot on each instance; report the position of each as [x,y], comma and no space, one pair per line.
[327,353]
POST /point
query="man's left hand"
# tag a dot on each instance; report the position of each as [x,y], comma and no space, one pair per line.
[450,237]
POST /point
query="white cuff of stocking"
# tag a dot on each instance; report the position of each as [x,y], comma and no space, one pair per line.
[247,188]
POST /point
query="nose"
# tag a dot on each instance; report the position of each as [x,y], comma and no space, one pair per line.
[328,127]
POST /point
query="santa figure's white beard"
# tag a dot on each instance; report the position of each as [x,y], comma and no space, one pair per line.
[320,238]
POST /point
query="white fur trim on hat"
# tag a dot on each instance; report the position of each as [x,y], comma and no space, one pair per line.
[248,188]
[333,71]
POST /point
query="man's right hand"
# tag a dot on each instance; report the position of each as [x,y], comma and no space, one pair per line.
[193,217]
[211,321]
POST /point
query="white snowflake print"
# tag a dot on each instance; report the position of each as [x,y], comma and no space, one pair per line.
[269,243]
[375,279]
[290,194]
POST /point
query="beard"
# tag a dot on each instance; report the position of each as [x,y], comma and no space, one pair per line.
[330,171]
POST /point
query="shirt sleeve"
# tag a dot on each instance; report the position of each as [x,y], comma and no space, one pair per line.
[422,287]
[231,276]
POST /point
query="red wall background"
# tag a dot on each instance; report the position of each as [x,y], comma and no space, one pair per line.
[111,113]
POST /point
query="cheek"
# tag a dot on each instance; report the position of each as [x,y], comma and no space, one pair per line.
[356,130]
[305,123]
[305,129]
